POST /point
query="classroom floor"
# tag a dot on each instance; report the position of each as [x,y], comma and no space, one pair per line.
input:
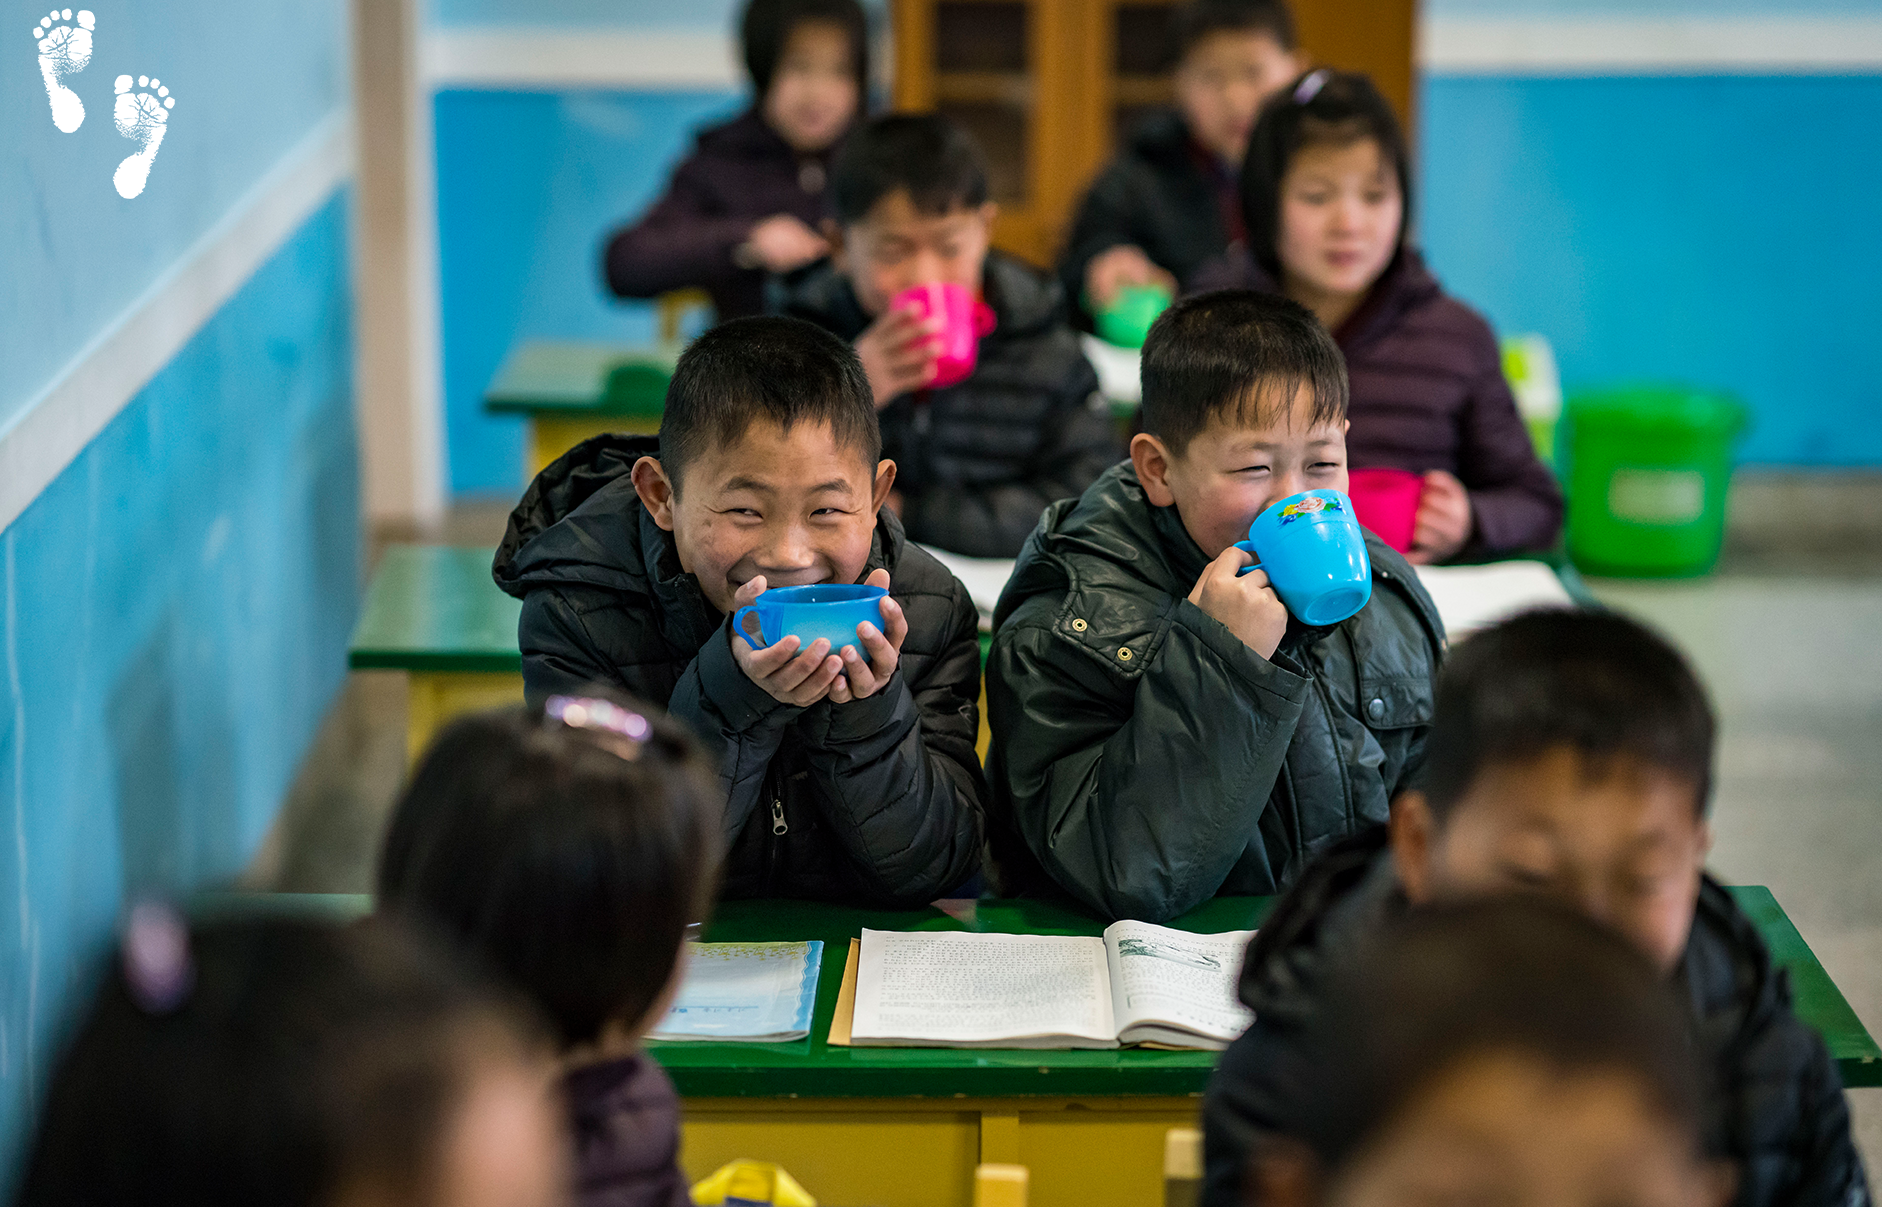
[1788,633]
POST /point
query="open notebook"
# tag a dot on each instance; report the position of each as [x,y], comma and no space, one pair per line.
[1138,984]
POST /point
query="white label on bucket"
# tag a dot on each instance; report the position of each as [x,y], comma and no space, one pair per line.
[1657,496]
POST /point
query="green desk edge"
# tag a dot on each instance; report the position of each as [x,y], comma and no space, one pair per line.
[541,377]
[434,608]
[811,1068]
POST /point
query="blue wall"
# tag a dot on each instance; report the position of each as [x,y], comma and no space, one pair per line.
[528,186]
[176,609]
[1717,230]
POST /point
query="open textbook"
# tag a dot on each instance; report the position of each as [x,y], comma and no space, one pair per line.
[750,992]
[1138,984]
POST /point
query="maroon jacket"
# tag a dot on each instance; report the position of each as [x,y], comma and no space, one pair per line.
[1428,393]
[626,1120]
[738,173]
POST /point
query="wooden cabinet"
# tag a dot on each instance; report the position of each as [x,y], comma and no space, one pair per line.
[1046,86]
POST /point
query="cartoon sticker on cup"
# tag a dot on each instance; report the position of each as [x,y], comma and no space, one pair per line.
[1314,554]
[827,610]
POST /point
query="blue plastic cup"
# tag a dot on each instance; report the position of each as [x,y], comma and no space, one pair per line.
[1315,555]
[828,610]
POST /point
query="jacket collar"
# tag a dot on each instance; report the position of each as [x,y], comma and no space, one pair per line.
[1023,301]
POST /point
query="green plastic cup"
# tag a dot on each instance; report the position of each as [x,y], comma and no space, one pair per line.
[1127,320]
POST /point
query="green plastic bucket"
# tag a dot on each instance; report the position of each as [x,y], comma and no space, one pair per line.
[1648,469]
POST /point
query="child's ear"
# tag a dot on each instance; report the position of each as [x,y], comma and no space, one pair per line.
[656,491]
[885,482]
[1151,458]
[1412,830]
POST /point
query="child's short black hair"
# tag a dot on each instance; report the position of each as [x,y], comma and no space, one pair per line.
[1240,354]
[935,160]
[1192,22]
[1322,108]
[1606,686]
[767,26]
[262,1060]
[1522,976]
[567,856]
[784,370]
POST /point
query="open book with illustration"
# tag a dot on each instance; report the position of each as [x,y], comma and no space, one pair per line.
[1138,984]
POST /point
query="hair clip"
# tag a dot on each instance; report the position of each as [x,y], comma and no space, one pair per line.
[158,970]
[1310,87]
[601,716]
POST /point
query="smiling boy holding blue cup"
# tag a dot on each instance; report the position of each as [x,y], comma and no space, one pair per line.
[1164,729]
[697,571]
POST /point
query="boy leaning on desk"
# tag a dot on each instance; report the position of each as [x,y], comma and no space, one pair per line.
[849,776]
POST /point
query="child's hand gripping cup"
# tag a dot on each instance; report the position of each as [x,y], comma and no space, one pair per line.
[964,320]
[828,610]
[1314,553]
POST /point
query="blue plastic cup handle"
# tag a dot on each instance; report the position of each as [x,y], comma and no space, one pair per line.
[1249,549]
[738,626]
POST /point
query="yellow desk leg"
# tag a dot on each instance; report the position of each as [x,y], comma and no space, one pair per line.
[921,1152]
[435,697]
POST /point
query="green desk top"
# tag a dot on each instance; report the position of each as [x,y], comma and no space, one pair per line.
[434,608]
[552,378]
[811,1068]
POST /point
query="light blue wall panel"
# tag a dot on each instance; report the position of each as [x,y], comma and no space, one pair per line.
[249,84]
[1649,9]
[1717,230]
[174,611]
[644,14]
[529,184]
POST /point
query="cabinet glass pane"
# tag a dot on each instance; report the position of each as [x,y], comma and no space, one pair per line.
[972,36]
[1143,39]
[1001,132]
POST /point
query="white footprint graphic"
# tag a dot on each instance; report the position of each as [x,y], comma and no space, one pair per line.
[64,50]
[143,116]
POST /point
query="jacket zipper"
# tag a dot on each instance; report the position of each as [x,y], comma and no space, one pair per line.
[779,828]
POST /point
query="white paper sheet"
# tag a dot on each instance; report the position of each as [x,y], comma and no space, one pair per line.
[1160,975]
[982,989]
[984,578]
[1474,597]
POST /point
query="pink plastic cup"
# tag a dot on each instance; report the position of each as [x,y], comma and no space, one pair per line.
[1387,503]
[964,320]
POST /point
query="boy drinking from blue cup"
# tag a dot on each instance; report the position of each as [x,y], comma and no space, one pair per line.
[1164,731]
[849,770]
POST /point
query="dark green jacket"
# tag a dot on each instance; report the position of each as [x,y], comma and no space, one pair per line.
[1144,759]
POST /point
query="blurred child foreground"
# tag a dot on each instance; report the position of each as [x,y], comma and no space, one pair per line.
[977,460]
[1570,755]
[567,849]
[1163,729]
[295,1064]
[850,774]
[752,196]
[1327,202]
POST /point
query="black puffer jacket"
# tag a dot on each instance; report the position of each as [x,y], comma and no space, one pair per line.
[1776,1107]
[977,462]
[1144,759]
[876,801]
[1160,194]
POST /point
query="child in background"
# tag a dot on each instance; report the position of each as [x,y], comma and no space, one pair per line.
[1326,198]
[297,1064]
[1163,729]
[1570,755]
[1171,199]
[567,849]
[976,461]
[850,774]
[1514,1053]
[752,196]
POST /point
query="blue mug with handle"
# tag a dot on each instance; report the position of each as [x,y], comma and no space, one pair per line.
[828,610]
[1315,555]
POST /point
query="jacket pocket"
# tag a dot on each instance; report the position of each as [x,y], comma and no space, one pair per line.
[1394,702]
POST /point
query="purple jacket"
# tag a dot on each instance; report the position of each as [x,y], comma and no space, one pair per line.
[626,1120]
[738,173]
[1428,393]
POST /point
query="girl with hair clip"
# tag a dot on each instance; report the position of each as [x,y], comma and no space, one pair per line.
[1327,203]
[294,1063]
[751,198]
